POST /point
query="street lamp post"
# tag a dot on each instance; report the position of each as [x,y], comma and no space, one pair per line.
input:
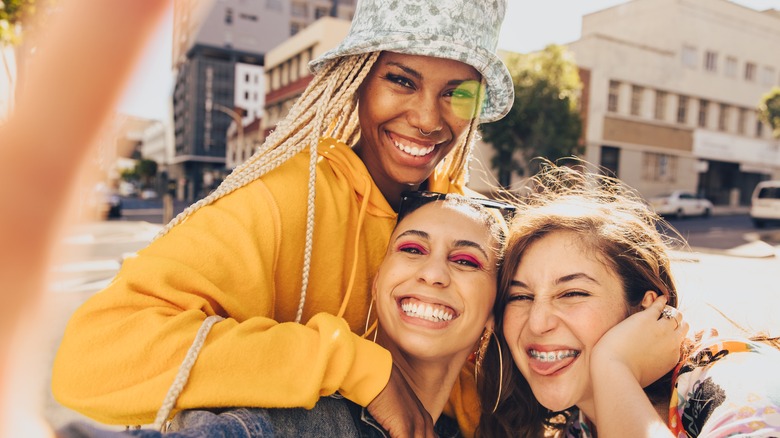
[236,118]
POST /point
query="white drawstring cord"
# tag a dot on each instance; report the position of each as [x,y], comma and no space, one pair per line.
[184,372]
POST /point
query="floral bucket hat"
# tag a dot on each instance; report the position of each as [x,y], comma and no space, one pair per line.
[463,30]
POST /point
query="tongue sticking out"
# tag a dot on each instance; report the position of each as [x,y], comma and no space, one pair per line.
[546,368]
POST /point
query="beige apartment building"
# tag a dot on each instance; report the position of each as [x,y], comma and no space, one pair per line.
[286,66]
[671,89]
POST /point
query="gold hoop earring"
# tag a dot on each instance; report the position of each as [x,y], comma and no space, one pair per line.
[375,326]
[484,342]
[500,372]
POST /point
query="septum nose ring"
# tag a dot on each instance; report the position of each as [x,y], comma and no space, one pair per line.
[425,134]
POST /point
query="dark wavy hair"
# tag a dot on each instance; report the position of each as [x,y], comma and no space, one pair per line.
[616,224]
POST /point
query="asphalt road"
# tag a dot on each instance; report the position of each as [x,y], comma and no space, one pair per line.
[723,232]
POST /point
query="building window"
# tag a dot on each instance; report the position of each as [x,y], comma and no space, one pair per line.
[741,120]
[274,5]
[294,68]
[612,98]
[750,71]
[295,28]
[283,75]
[229,16]
[703,106]
[767,76]
[660,104]
[321,12]
[689,56]
[731,67]
[298,10]
[723,117]
[274,73]
[711,61]
[610,160]
[659,167]
[636,100]
[682,109]
[759,127]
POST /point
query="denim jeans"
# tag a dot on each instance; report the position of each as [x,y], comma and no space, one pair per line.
[331,417]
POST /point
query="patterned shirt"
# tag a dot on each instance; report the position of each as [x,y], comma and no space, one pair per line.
[730,388]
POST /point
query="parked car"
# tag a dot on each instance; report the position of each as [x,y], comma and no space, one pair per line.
[126,188]
[681,203]
[111,206]
[106,203]
[765,203]
[148,194]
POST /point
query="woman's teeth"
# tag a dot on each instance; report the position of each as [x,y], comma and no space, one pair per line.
[426,311]
[551,356]
[416,151]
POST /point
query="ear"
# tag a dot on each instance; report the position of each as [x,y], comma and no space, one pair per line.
[648,299]
[490,324]
[373,287]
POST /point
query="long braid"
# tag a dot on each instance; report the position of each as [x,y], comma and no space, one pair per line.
[320,122]
[458,161]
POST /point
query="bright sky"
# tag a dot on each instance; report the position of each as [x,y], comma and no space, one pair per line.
[529,25]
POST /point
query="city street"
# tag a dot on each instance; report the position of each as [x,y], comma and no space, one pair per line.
[729,270]
[722,232]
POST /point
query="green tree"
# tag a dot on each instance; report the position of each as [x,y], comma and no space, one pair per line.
[12,14]
[769,110]
[544,120]
[146,170]
[19,18]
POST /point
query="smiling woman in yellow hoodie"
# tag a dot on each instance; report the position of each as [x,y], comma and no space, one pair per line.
[257,295]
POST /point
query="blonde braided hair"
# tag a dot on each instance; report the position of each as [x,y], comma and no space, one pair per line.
[327,108]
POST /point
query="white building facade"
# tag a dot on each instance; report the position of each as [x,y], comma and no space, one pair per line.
[670,91]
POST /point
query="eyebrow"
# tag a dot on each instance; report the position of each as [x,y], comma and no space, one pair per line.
[564,279]
[458,243]
[417,75]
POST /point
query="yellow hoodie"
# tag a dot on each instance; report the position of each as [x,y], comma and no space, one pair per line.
[241,257]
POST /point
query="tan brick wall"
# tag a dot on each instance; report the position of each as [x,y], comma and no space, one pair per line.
[629,131]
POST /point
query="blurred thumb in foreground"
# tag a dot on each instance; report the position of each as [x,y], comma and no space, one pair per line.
[83,60]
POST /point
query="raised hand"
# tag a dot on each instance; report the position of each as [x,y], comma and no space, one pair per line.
[647,343]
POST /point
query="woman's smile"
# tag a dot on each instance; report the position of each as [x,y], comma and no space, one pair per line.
[435,312]
[551,361]
[412,114]
[414,148]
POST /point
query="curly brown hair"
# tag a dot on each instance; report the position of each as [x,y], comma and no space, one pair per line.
[617,224]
